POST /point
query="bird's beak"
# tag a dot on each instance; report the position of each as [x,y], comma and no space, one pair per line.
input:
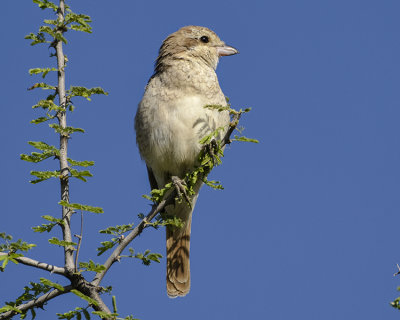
[226,51]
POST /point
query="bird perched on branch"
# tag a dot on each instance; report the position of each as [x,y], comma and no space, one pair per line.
[170,122]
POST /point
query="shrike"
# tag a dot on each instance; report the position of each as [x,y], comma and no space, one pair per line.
[170,122]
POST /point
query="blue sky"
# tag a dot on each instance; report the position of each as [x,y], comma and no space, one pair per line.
[307,226]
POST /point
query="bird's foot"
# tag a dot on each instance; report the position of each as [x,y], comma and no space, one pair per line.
[180,187]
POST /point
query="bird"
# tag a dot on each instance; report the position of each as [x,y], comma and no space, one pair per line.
[170,122]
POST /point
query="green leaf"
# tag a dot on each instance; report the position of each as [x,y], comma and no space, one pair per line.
[85,297]
[72,314]
[36,38]
[82,207]
[40,145]
[52,284]
[158,194]
[52,22]
[18,245]
[213,184]
[85,92]
[207,139]
[47,152]
[44,71]
[79,22]
[46,29]
[48,227]
[44,175]
[45,4]
[42,119]
[145,257]
[245,139]
[105,315]
[7,258]
[117,230]
[80,163]
[105,245]
[30,293]
[42,85]
[9,308]
[91,266]
[80,174]
[48,105]
[65,131]
[5,236]
[61,243]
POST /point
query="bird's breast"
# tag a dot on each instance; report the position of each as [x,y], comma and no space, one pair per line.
[172,128]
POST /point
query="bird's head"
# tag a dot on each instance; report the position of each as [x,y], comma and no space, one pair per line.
[190,43]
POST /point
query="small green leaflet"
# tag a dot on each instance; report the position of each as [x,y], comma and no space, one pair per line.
[105,315]
[42,85]
[65,131]
[91,266]
[85,92]
[36,38]
[146,257]
[9,308]
[84,297]
[117,230]
[52,284]
[44,175]
[80,174]
[41,119]
[44,71]
[85,163]
[48,227]
[43,4]
[82,207]
[245,139]
[7,258]
[61,243]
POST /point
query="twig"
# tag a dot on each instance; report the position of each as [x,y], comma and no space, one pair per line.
[232,126]
[38,264]
[132,235]
[39,302]
[79,243]
[398,272]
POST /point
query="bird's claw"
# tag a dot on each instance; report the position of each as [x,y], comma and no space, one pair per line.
[180,187]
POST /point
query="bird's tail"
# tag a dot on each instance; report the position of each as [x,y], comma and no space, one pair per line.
[178,264]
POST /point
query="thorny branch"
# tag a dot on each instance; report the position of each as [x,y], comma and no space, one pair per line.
[64,168]
[39,302]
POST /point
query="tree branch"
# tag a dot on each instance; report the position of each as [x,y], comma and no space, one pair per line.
[101,305]
[64,169]
[232,126]
[115,255]
[79,243]
[39,302]
[40,265]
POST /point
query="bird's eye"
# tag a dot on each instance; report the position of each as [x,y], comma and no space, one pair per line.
[204,39]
